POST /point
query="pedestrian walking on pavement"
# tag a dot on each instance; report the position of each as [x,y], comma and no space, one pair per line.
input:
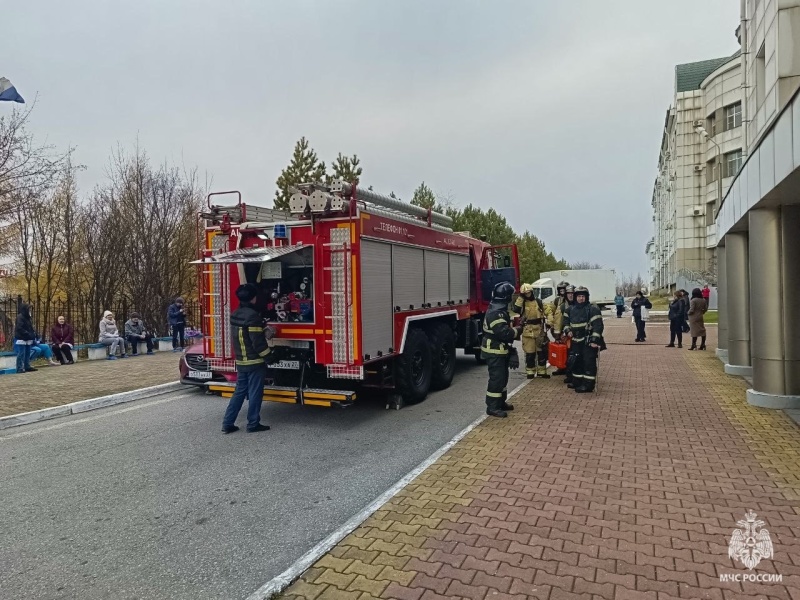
[251,349]
[619,302]
[685,300]
[697,308]
[498,351]
[677,319]
[641,307]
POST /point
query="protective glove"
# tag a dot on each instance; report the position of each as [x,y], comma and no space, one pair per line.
[269,332]
[513,359]
[518,331]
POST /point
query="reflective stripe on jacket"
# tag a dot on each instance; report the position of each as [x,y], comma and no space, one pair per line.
[247,334]
[584,321]
[531,313]
[497,330]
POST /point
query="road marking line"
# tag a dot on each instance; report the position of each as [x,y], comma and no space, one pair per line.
[277,584]
[93,418]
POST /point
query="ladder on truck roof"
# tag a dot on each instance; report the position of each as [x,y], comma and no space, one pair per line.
[240,212]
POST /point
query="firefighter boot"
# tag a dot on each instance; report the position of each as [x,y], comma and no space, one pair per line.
[506,405]
[530,365]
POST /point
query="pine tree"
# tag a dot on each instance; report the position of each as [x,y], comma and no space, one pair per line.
[304,168]
[347,168]
[424,197]
[534,258]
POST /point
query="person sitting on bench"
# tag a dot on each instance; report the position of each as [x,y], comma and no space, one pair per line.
[109,336]
[62,338]
[135,332]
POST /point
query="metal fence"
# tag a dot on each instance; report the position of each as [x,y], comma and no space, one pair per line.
[84,319]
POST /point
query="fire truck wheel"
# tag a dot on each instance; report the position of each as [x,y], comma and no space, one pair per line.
[443,355]
[413,368]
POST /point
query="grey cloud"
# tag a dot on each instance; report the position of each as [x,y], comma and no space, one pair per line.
[551,112]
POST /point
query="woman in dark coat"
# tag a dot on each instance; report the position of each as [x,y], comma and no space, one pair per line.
[677,319]
[637,304]
[697,327]
[25,336]
[62,337]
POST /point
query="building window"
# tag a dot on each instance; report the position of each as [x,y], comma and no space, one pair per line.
[712,171]
[732,162]
[712,125]
[733,116]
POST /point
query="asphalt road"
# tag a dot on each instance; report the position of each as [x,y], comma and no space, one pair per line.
[151,500]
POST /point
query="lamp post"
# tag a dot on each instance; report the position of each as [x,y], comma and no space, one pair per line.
[703,133]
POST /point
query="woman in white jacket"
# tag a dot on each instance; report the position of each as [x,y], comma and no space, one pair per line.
[109,335]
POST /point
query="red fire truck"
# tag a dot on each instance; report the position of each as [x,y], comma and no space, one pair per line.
[363,290]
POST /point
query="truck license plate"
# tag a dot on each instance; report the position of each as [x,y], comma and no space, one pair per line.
[286,364]
[200,374]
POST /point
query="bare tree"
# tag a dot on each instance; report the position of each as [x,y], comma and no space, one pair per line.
[584,264]
[157,221]
[25,166]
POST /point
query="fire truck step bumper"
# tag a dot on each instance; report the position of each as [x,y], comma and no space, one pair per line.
[291,395]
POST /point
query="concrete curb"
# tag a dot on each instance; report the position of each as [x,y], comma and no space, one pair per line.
[774,401]
[74,408]
[740,370]
[278,584]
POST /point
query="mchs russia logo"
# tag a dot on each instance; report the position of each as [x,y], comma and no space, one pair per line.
[750,545]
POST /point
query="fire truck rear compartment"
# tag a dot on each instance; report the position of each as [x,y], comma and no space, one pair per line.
[285,286]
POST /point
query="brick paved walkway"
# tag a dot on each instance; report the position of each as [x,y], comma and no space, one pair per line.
[629,494]
[56,386]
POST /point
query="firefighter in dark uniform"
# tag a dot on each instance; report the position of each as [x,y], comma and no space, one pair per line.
[555,316]
[497,349]
[249,337]
[569,300]
[584,325]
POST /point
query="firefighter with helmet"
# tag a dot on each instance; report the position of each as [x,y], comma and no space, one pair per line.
[555,317]
[497,349]
[563,302]
[534,340]
[584,325]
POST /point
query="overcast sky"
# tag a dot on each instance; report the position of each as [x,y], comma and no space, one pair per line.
[551,112]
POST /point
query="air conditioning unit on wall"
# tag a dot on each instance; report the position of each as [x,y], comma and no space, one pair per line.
[699,123]
[698,168]
[698,211]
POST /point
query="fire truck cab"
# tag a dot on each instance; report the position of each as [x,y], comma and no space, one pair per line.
[363,290]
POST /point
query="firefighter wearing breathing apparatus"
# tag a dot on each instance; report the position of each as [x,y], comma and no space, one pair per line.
[497,349]
[584,325]
[534,338]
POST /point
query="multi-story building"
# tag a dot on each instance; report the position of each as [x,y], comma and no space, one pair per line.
[758,220]
[700,152]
